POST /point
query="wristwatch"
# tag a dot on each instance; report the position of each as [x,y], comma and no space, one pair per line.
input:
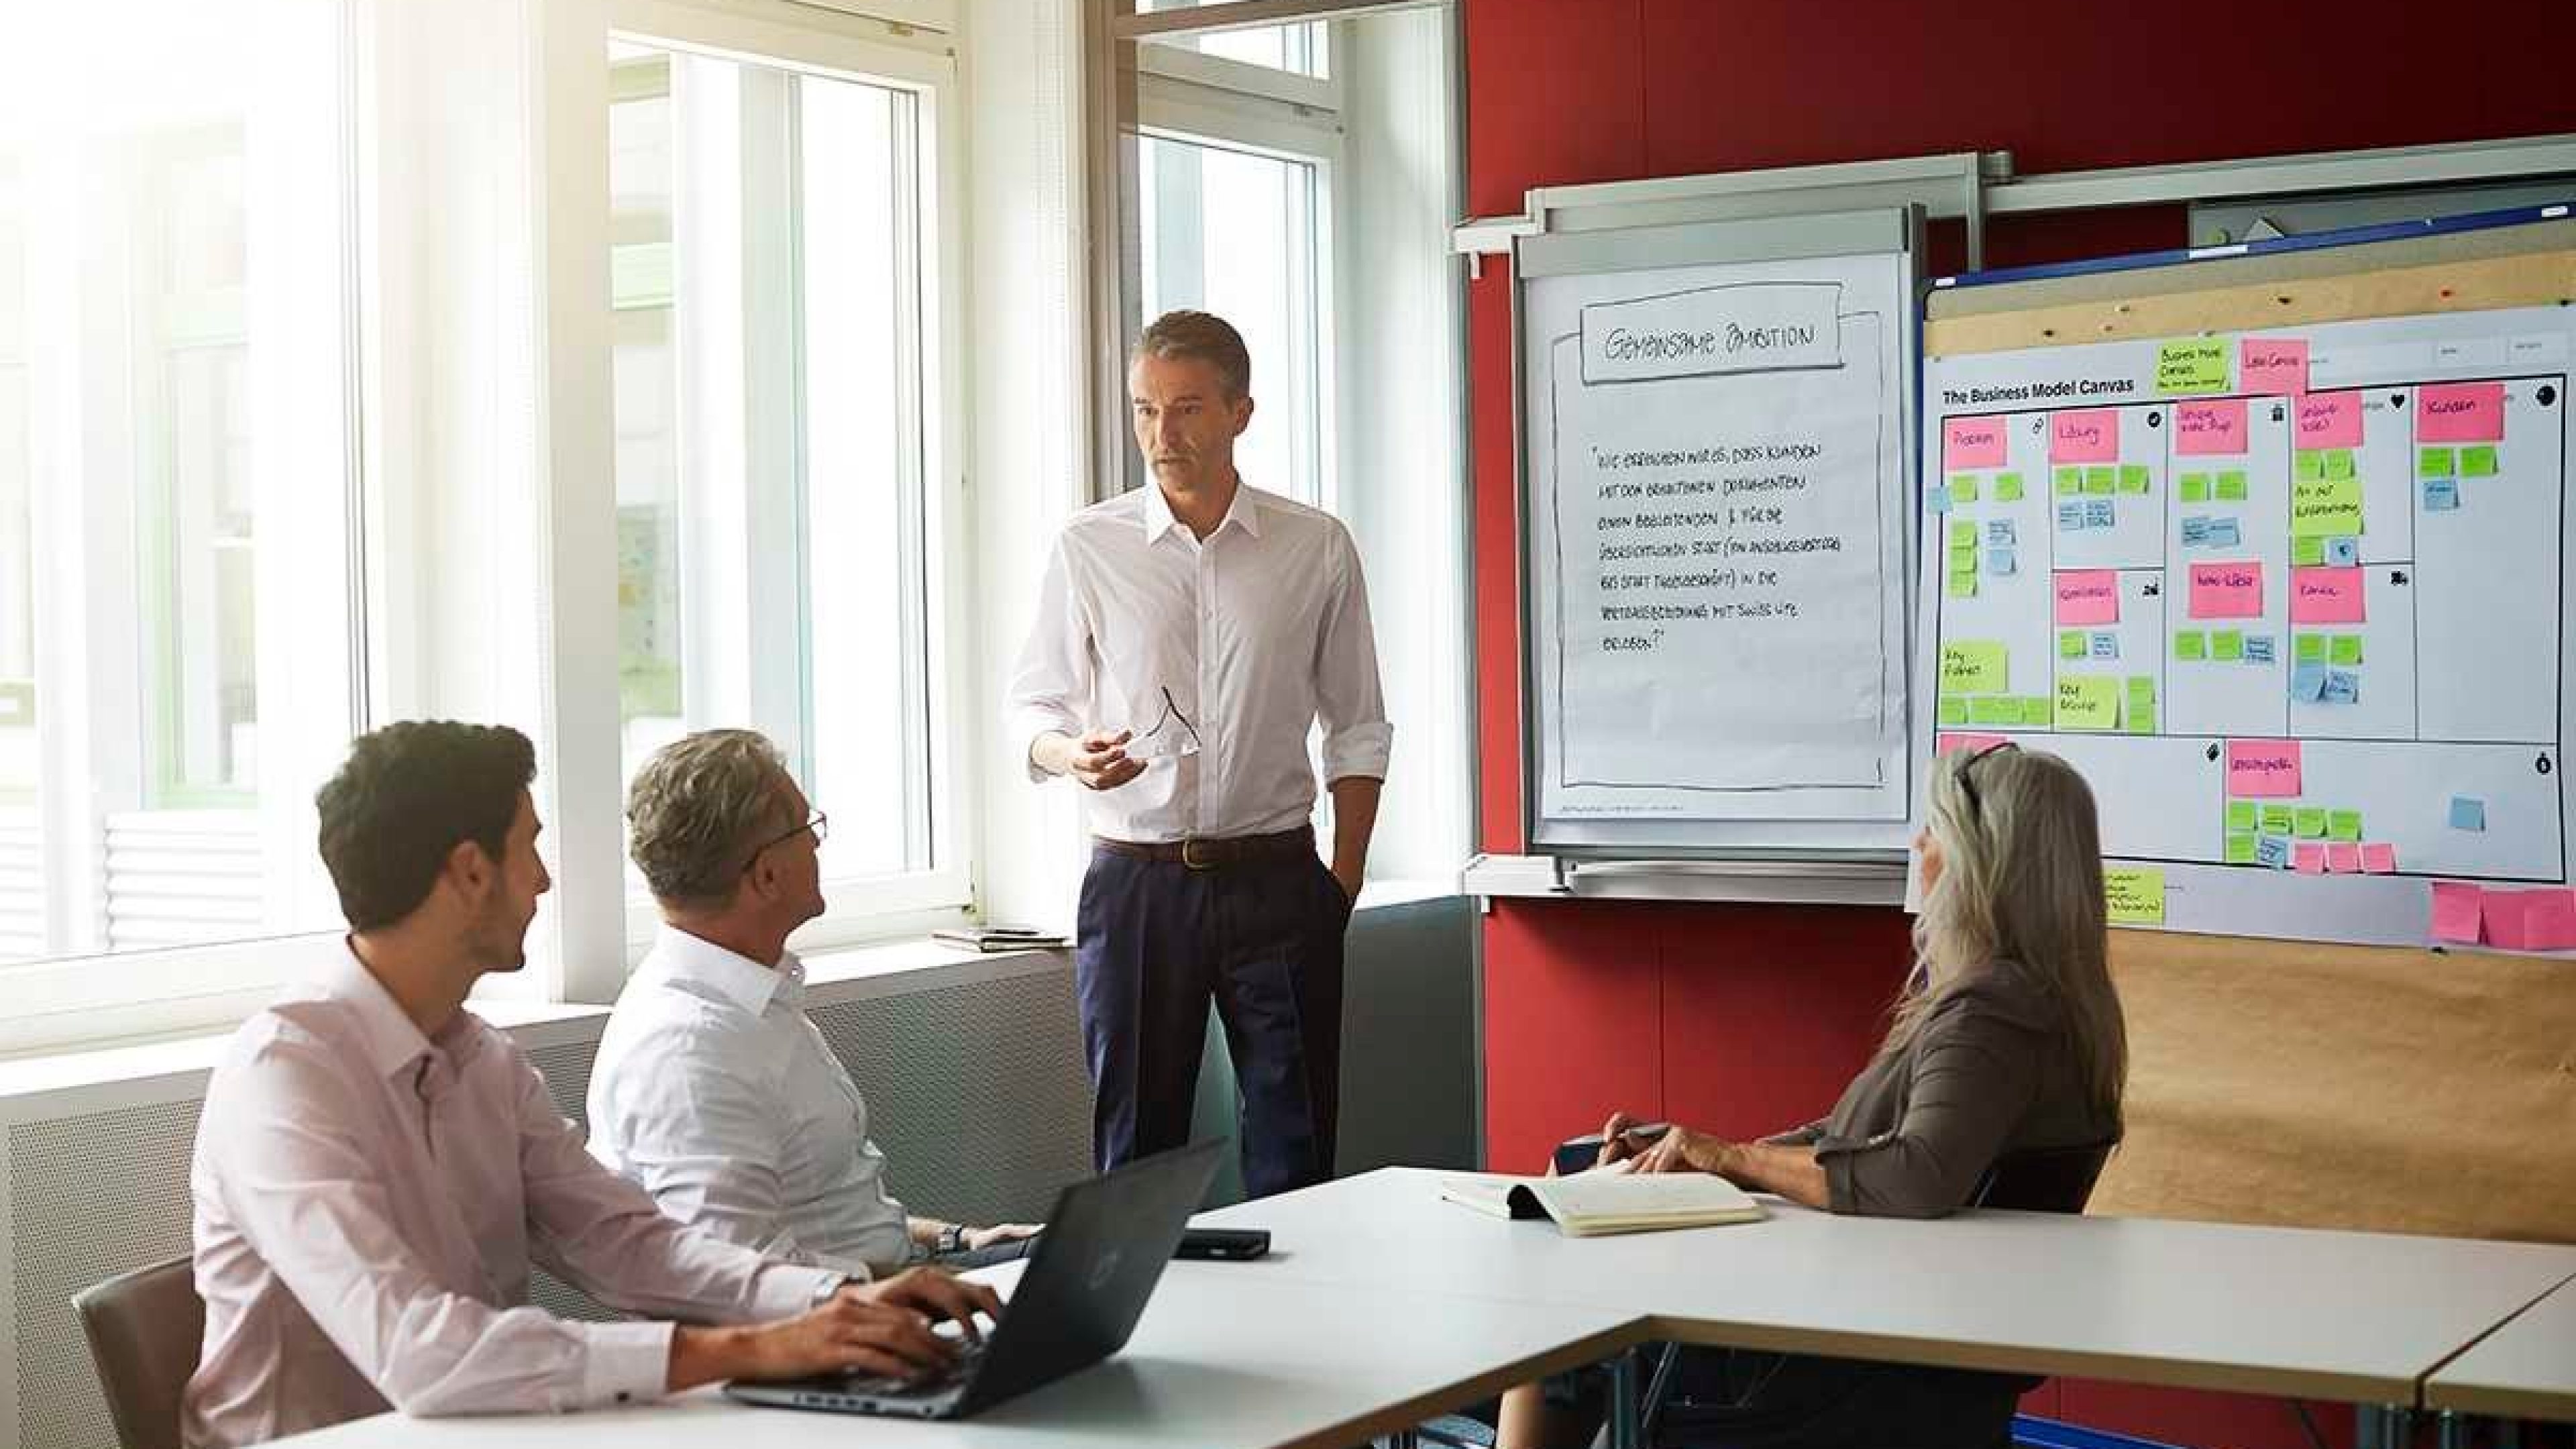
[952,1238]
[831,1284]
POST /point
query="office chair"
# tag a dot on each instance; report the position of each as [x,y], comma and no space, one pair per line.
[145,1331]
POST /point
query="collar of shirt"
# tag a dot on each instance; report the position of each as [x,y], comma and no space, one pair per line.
[386,1032]
[703,968]
[1244,512]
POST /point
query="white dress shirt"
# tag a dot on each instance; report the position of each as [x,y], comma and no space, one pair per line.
[1257,631]
[714,1090]
[368,1201]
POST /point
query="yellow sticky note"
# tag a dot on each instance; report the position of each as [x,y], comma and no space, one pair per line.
[2197,364]
[2134,894]
[1973,666]
[2088,702]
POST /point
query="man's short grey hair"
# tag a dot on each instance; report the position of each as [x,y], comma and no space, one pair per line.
[699,807]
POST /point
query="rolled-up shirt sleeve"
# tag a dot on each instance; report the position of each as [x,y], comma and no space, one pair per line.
[1357,738]
[1053,680]
[1974,1073]
[311,1200]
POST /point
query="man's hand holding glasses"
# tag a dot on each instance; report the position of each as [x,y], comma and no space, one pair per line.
[1098,759]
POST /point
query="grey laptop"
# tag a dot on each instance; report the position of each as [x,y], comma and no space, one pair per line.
[1086,1285]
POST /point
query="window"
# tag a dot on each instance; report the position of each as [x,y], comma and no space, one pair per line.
[773,233]
[1299,49]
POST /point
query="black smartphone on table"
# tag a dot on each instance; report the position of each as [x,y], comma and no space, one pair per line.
[1230,1245]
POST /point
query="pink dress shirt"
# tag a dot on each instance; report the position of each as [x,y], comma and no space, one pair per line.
[368,1201]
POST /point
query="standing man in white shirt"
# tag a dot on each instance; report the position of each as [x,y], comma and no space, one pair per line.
[1189,635]
[376,1168]
[712,1088]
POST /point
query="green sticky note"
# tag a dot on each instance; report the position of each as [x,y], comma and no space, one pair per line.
[2007,487]
[2069,480]
[2310,649]
[2142,686]
[2241,815]
[2311,467]
[2134,894]
[2196,364]
[2339,462]
[1973,666]
[1994,710]
[1963,557]
[2346,649]
[2191,644]
[2133,477]
[1963,534]
[1963,586]
[1954,711]
[2035,710]
[2343,824]
[1963,489]
[2308,552]
[2102,479]
[2195,488]
[2312,821]
[2325,508]
[2276,820]
[2433,462]
[2088,702]
[2070,644]
[2140,716]
[2240,850]
[2478,461]
[2231,486]
[2227,645]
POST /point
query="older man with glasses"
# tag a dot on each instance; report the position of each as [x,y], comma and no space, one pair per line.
[712,1088]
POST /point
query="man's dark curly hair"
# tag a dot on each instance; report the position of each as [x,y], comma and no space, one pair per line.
[406,796]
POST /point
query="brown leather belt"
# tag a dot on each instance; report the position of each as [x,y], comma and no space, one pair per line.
[1216,852]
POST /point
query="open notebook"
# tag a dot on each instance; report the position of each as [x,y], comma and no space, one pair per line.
[1589,1204]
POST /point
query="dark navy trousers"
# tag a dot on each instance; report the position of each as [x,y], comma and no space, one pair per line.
[1262,938]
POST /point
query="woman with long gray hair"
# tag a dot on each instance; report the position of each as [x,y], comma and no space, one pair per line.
[2005,1044]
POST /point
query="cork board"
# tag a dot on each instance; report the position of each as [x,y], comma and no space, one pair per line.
[2293,1083]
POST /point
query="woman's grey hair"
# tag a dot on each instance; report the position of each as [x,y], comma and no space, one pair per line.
[699,807]
[2021,881]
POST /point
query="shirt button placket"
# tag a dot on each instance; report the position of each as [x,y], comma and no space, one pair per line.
[1206,693]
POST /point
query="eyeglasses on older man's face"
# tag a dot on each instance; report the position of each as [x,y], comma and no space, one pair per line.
[820,824]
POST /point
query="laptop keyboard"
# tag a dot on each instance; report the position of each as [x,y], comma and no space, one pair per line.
[970,1355]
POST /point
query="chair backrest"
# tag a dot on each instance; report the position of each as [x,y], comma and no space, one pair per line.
[145,1331]
[2044,1179]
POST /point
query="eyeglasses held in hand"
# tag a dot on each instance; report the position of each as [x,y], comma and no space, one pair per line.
[1171,733]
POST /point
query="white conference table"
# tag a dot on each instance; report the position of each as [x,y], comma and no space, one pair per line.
[1220,1360]
[2524,1370]
[2356,1317]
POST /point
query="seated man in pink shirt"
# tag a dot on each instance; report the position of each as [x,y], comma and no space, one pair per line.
[377,1169]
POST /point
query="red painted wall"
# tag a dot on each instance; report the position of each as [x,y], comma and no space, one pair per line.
[1744,1019]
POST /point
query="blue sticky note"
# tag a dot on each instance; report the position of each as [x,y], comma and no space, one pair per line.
[2195,532]
[2274,851]
[2070,516]
[2225,533]
[1937,498]
[2342,687]
[1999,562]
[2258,648]
[2098,514]
[2000,531]
[2106,646]
[2441,495]
[2343,552]
[2468,813]
[2308,682]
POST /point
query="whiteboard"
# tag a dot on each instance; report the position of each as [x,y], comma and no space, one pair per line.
[2302,629]
[1716,464]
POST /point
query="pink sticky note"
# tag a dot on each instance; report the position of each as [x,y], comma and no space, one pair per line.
[2088,596]
[2325,596]
[2343,857]
[1944,744]
[1972,443]
[2309,858]
[2328,420]
[2089,435]
[2459,412]
[2272,366]
[2263,769]
[2549,919]
[2225,591]
[2458,911]
[2216,427]
[2508,919]
[2379,857]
